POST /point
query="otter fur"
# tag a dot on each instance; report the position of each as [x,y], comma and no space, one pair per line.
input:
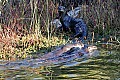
[62,50]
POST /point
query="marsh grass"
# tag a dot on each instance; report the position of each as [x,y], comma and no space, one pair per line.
[25,25]
[102,17]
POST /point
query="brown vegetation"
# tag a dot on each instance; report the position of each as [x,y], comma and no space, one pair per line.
[25,24]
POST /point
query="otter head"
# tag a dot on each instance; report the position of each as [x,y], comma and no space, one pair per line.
[91,48]
[92,51]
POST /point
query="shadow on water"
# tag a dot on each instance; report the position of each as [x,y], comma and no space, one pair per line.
[106,66]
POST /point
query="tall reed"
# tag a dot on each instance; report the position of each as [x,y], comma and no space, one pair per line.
[102,17]
[25,24]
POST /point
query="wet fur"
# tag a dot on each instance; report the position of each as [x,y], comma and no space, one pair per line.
[63,49]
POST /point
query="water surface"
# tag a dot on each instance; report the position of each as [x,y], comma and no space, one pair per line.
[106,66]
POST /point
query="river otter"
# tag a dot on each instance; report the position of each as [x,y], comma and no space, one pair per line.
[91,49]
[74,53]
[88,51]
[62,50]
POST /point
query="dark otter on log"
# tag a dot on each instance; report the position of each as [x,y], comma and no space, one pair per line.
[66,21]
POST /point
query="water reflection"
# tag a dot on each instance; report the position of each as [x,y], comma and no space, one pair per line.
[106,66]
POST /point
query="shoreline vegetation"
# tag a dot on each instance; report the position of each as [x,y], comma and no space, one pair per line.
[25,25]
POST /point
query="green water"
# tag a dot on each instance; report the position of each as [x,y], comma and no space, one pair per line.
[106,66]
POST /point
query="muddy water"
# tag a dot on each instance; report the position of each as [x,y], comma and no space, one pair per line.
[106,66]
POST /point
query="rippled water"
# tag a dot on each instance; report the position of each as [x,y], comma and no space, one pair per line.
[106,66]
